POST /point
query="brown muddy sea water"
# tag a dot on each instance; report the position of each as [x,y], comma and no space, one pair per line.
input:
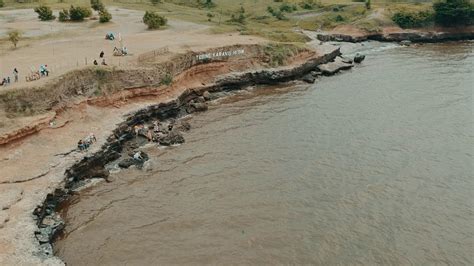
[373,166]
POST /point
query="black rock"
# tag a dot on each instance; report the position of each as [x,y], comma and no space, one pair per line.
[196,107]
[334,67]
[173,137]
[46,249]
[359,58]
[316,73]
[207,96]
[309,78]
[200,99]
[346,60]
[99,172]
[126,163]
[44,234]
[182,125]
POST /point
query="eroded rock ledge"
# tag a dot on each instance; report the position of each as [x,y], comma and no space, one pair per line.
[415,36]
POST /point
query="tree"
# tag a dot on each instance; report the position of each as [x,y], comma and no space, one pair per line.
[79,13]
[97,5]
[153,20]
[104,16]
[63,15]
[454,12]
[44,13]
[240,18]
[155,2]
[368,4]
[209,4]
[14,37]
[1,4]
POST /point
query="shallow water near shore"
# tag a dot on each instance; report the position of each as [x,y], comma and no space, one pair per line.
[373,166]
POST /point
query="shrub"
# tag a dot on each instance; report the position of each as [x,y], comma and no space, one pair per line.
[79,13]
[454,12]
[339,18]
[309,4]
[97,5]
[63,15]
[240,17]
[209,4]
[14,37]
[368,4]
[287,8]
[2,4]
[44,13]
[279,53]
[155,2]
[153,20]
[413,19]
[104,16]
[276,13]
[209,16]
[167,79]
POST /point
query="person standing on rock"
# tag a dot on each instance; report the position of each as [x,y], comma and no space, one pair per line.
[138,156]
[149,133]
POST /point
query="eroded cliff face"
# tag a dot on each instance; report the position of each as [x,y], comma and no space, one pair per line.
[106,85]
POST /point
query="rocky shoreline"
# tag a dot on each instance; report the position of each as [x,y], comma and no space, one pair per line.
[124,140]
[413,36]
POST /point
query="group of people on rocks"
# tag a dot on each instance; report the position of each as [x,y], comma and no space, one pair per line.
[153,132]
[85,143]
[6,80]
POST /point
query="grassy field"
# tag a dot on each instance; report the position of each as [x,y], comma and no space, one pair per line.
[324,15]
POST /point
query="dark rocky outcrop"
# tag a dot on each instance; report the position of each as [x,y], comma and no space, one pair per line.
[308,78]
[334,67]
[196,107]
[182,125]
[422,37]
[347,60]
[359,58]
[126,163]
[316,73]
[207,96]
[172,138]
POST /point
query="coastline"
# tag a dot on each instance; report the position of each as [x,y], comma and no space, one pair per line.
[394,34]
[163,102]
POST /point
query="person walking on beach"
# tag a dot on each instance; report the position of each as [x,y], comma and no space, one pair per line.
[15,74]
[8,80]
[101,55]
